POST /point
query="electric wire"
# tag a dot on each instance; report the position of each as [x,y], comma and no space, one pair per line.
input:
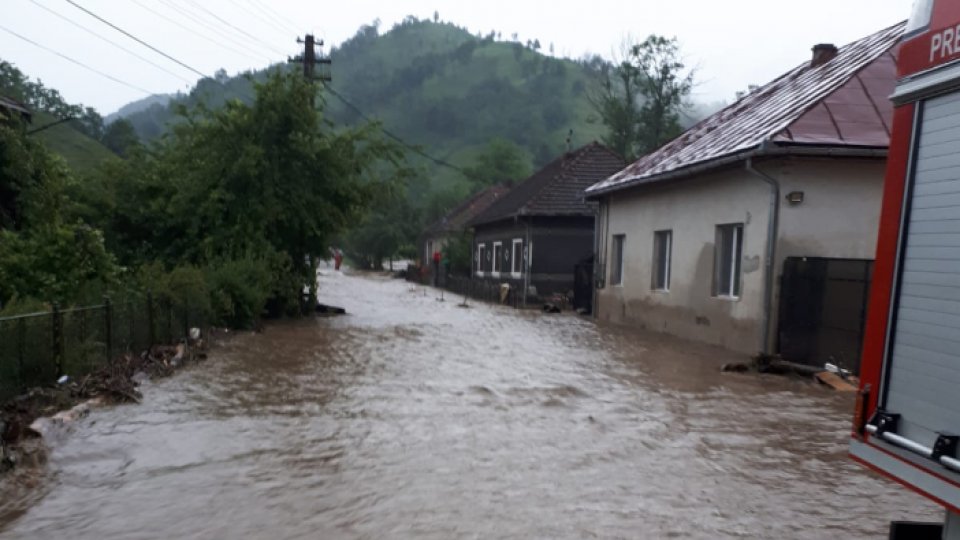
[77,62]
[396,138]
[210,27]
[135,38]
[50,125]
[237,28]
[199,34]
[111,42]
[294,25]
[264,17]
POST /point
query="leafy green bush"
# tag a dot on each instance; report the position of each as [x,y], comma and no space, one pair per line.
[239,290]
[183,286]
[55,263]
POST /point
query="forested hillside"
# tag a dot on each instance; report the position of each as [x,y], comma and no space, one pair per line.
[439,87]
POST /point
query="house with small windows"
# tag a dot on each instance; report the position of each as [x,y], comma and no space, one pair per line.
[535,236]
[756,228]
[438,234]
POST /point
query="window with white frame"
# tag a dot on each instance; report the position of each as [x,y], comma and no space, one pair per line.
[729,249]
[616,261]
[662,259]
[497,258]
[516,259]
[481,257]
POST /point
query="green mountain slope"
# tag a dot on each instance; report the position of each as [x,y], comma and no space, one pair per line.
[81,152]
[437,86]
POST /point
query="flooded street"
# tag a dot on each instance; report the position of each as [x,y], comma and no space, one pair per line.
[415,418]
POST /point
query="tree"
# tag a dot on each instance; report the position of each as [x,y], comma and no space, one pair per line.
[390,230]
[41,256]
[642,96]
[120,137]
[436,16]
[502,161]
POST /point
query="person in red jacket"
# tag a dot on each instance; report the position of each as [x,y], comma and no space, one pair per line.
[337,259]
[436,268]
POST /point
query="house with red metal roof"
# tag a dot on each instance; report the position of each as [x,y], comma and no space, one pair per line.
[784,185]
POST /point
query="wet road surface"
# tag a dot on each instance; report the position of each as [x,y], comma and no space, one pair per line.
[415,418]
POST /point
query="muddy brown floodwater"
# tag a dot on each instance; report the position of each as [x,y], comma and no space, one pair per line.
[415,418]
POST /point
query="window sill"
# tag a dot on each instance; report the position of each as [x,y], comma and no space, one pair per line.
[479,274]
[516,275]
[495,274]
[726,298]
[660,291]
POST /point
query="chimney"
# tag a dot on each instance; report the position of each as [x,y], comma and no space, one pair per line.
[823,53]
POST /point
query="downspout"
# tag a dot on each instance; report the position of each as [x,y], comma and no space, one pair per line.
[528,264]
[596,257]
[600,251]
[769,266]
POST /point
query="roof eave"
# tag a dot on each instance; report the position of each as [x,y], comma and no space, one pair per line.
[763,150]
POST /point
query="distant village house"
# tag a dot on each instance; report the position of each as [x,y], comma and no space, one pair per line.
[535,235]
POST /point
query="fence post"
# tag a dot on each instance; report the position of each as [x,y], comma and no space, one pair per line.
[151,334]
[169,303]
[57,327]
[21,340]
[131,315]
[108,327]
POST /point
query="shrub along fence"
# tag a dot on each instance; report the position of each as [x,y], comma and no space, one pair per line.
[37,348]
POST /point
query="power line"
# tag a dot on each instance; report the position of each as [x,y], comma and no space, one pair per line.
[133,37]
[50,125]
[77,62]
[249,51]
[264,16]
[237,28]
[397,138]
[193,31]
[277,15]
[111,42]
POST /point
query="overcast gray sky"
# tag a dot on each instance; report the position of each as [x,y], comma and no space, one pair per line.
[732,43]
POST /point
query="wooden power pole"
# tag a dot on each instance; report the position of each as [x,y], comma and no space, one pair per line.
[310,60]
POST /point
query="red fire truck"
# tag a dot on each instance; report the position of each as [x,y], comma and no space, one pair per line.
[907,421]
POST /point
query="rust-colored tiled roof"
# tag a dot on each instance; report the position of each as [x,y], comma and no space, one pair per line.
[457,219]
[842,102]
[557,189]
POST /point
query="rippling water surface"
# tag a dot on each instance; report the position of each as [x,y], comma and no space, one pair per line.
[416,418]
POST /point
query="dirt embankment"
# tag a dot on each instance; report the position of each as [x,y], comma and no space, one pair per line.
[22,419]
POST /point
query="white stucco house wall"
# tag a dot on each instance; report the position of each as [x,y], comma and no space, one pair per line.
[691,239]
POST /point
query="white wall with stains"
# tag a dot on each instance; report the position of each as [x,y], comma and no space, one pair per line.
[838,218]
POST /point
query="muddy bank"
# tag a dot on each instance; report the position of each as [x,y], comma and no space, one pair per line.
[25,418]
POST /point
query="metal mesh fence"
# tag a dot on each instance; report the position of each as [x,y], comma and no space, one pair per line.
[37,348]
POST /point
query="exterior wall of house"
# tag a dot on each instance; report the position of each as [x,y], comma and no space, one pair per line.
[840,211]
[431,244]
[555,246]
[691,209]
[838,218]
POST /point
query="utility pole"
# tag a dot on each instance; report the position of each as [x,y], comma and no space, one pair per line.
[310,59]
